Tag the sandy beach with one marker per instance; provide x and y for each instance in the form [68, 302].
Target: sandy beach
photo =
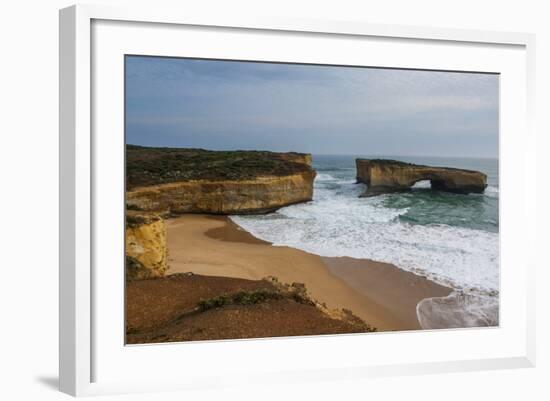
[380, 293]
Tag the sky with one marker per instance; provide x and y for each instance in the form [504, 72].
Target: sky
[226, 105]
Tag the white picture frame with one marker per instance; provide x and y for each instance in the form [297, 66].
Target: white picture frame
[81, 346]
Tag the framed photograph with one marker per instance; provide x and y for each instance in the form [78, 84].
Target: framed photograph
[274, 200]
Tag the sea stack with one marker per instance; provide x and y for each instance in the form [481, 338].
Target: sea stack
[386, 176]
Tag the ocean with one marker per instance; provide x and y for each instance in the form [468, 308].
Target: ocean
[451, 239]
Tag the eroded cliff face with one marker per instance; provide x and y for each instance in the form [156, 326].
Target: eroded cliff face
[262, 194]
[164, 182]
[385, 176]
[146, 250]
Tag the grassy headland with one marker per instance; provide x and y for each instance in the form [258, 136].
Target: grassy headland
[146, 166]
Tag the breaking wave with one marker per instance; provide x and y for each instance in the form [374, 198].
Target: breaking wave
[458, 309]
[338, 223]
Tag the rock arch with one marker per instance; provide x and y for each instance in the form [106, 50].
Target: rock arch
[386, 176]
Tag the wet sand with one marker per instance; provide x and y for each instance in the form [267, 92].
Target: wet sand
[380, 293]
[386, 285]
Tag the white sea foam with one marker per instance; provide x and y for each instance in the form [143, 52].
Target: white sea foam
[423, 184]
[339, 223]
[324, 177]
[458, 309]
[492, 192]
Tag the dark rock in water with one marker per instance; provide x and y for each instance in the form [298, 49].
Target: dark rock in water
[386, 176]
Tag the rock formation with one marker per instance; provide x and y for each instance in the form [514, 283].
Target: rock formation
[386, 176]
[163, 182]
[146, 250]
[177, 181]
[254, 196]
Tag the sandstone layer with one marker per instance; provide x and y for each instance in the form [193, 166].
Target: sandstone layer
[146, 250]
[260, 195]
[386, 176]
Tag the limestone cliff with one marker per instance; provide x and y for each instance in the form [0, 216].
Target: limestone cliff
[177, 181]
[260, 195]
[385, 176]
[161, 182]
[146, 250]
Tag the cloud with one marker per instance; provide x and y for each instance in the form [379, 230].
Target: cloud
[225, 105]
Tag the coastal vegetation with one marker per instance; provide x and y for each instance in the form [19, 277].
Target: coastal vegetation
[146, 166]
